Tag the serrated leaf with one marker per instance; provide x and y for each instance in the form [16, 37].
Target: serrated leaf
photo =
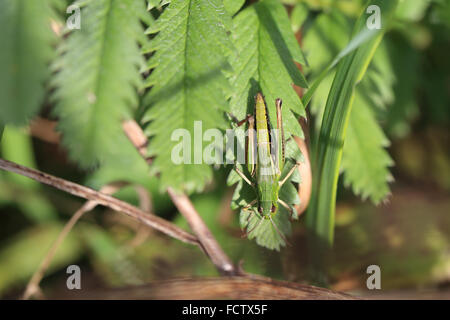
[262, 229]
[264, 61]
[233, 6]
[378, 83]
[365, 161]
[293, 155]
[265, 234]
[188, 85]
[26, 39]
[266, 51]
[99, 73]
[156, 4]
[243, 195]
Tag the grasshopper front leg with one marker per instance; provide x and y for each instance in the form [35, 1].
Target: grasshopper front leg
[240, 122]
[280, 183]
[251, 204]
[242, 175]
[250, 142]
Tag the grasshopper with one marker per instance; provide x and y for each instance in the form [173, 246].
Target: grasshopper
[265, 162]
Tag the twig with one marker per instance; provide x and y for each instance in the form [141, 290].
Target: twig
[248, 288]
[44, 130]
[136, 136]
[186, 208]
[198, 226]
[145, 203]
[102, 199]
[33, 285]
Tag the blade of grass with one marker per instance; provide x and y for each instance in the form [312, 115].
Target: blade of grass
[362, 37]
[328, 152]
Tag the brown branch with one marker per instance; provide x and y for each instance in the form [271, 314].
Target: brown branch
[102, 199]
[198, 226]
[44, 130]
[145, 203]
[209, 244]
[248, 288]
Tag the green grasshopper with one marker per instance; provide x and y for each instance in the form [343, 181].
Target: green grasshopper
[265, 162]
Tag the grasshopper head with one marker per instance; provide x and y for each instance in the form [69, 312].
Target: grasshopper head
[267, 208]
[268, 195]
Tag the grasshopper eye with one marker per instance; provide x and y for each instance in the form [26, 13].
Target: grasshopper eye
[273, 208]
[259, 209]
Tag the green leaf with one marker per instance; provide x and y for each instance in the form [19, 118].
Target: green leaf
[405, 61]
[17, 147]
[233, 6]
[412, 10]
[264, 61]
[365, 161]
[99, 74]
[26, 39]
[374, 92]
[263, 231]
[328, 154]
[266, 52]
[21, 255]
[188, 86]
[265, 234]
[377, 85]
[298, 16]
[156, 4]
[335, 27]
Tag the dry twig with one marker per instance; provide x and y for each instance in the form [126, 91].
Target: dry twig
[84, 192]
[248, 288]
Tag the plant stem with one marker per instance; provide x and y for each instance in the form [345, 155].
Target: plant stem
[84, 192]
[198, 226]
